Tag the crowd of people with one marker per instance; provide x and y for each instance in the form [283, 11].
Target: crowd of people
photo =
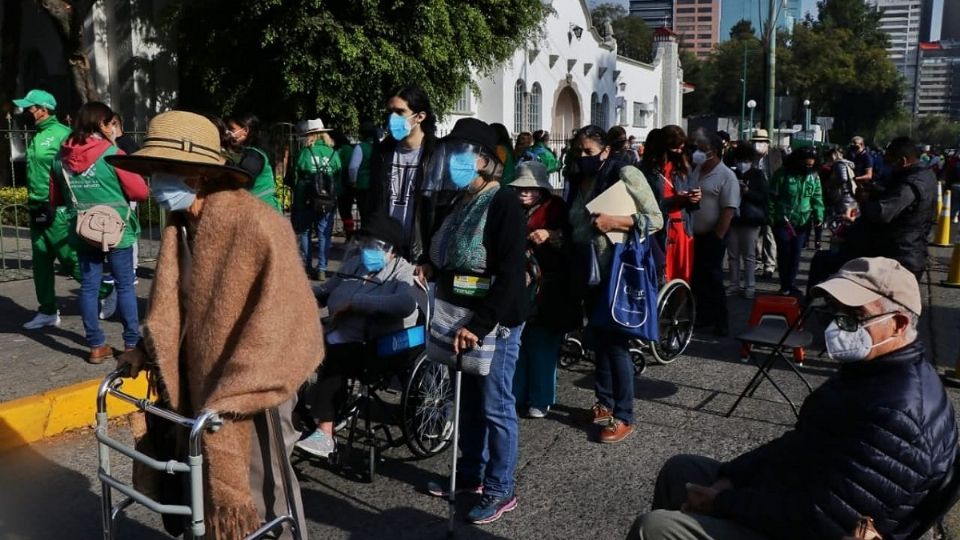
[511, 262]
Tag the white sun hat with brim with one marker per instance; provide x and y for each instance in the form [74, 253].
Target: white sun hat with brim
[307, 127]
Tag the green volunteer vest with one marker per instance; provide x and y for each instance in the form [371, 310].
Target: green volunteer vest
[263, 186]
[363, 173]
[99, 184]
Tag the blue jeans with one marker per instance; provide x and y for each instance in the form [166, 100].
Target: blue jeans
[323, 225]
[614, 374]
[490, 435]
[535, 381]
[788, 253]
[91, 270]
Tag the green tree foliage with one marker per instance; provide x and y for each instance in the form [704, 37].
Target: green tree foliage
[701, 75]
[286, 59]
[741, 29]
[837, 61]
[934, 130]
[634, 37]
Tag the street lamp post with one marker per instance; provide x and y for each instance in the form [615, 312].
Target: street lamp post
[752, 104]
[743, 82]
[806, 116]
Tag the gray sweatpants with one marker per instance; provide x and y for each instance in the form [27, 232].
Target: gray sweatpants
[667, 522]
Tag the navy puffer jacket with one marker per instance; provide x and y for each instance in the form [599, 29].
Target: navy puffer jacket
[872, 441]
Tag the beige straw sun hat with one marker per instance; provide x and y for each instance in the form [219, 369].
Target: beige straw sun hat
[183, 143]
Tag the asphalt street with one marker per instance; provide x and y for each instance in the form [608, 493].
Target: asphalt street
[569, 485]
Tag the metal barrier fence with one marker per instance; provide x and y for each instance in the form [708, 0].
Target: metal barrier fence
[279, 141]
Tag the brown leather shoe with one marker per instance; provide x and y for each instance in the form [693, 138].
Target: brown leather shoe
[615, 431]
[99, 354]
[597, 413]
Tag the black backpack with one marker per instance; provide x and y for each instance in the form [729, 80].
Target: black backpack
[321, 189]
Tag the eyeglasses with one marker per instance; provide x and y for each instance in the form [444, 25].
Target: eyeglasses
[850, 323]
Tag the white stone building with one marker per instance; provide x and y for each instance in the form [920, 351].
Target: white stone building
[572, 76]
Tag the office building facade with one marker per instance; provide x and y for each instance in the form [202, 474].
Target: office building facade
[757, 12]
[938, 91]
[903, 21]
[697, 22]
[656, 13]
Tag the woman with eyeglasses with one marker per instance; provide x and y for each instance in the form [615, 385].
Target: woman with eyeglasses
[372, 292]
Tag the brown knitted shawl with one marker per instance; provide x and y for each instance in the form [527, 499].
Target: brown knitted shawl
[252, 335]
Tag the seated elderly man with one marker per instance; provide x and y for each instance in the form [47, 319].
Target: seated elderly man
[873, 441]
[372, 295]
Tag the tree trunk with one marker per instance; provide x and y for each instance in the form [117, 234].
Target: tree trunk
[10, 29]
[68, 18]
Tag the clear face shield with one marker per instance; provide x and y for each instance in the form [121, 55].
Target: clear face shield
[456, 164]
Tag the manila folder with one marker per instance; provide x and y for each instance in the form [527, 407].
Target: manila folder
[614, 201]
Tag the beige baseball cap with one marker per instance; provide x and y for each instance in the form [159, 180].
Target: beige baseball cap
[868, 279]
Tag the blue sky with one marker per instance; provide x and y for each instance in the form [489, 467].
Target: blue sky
[808, 5]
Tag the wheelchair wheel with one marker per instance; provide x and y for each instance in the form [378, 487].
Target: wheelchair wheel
[426, 411]
[571, 351]
[639, 359]
[677, 312]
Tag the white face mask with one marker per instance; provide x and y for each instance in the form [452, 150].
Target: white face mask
[744, 166]
[699, 158]
[844, 347]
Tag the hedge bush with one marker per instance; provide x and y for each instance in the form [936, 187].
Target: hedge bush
[13, 206]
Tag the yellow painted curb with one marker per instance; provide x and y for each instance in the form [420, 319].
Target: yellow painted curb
[33, 418]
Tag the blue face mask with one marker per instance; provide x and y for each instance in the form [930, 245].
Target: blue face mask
[399, 127]
[463, 168]
[171, 192]
[373, 259]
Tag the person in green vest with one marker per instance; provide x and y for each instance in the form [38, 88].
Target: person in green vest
[311, 214]
[359, 169]
[505, 152]
[345, 191]
[80, 179]
[243, 146]
[49, 227]
[543, 153]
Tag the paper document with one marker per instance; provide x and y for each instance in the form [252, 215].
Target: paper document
[614, 201]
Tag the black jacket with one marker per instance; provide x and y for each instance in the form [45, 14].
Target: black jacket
[425, 218]
[872, 441]
[753, 202]
[897, 219]
[505, 239]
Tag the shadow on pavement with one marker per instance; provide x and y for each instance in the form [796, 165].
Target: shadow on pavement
[364, 521]
[15, 315]
[41, 499]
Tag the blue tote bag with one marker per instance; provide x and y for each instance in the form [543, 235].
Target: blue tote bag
[630, 301]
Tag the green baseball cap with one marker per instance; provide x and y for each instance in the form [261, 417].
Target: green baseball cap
[38, 97]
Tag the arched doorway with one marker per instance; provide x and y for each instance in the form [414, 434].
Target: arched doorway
[566, 113]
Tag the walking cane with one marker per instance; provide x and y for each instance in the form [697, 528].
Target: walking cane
[452, 495]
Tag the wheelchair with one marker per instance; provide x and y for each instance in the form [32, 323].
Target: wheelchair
[676, 314]
[392, 365]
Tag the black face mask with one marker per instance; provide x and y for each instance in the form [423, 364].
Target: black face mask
[589, 165]
[26, 119]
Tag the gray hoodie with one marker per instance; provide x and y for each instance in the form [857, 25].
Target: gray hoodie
[379, 304]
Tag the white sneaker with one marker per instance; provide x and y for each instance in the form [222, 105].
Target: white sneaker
[42, 319]
[108, 306]
[536, 412]
[317, 444]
